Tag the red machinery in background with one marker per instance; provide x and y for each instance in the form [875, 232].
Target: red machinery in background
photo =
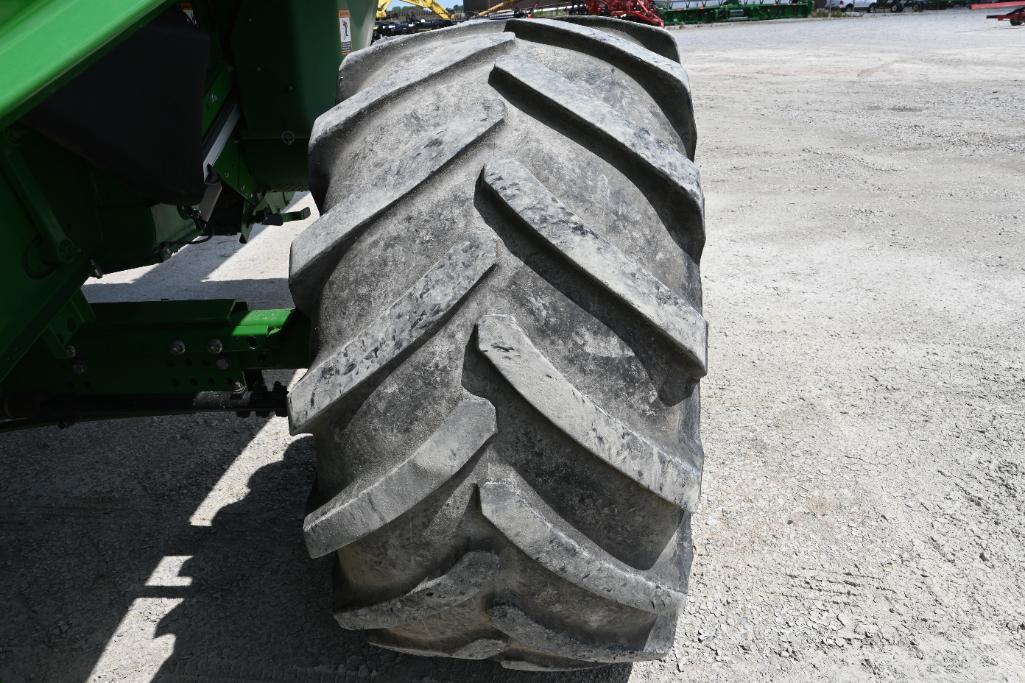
[1016, 16]
[642, 11]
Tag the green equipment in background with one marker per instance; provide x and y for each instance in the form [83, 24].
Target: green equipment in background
[712, 11]
[129, 129]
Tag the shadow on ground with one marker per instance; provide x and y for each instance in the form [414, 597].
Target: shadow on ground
[258, 606]
[86, 515]
[93, 513]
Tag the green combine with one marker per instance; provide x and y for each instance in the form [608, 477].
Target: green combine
[132, 129]
[499, 310]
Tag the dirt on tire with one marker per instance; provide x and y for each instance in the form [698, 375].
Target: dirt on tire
[506, 298]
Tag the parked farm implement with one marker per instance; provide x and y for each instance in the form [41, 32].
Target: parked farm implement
[680, 12]
[1015, 17]
[665, 12]
[638, 11]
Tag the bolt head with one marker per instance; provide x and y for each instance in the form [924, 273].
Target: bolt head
[79, 368]
[223, 364]
[177, 348]
[66, 251]
[215, 346]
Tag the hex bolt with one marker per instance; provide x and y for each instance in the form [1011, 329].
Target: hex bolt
[177, 348]
[70, 351]
[214, 346]
[79, 368]
[223, 364]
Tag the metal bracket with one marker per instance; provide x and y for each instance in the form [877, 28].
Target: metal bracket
[166, 347]
[269, 218]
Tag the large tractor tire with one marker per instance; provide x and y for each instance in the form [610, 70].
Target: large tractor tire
[508, 339]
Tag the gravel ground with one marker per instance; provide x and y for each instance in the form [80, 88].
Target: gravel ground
[864, 492]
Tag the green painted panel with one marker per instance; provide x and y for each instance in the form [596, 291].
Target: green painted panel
[286, 55]
[42, 40]
[166, 347]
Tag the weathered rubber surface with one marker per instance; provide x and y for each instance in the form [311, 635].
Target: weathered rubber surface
[657, 40]
[508, 333]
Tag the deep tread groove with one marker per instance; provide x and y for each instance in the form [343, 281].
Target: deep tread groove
[533, 527]
[390, 336]
[654, 303]
[658, 40]
[665, 366]
[363, 64]
[674, 171]
[366, 506]
[465, 580]
[336, 123]
[663, 79]
[673, 477]
[317, 250]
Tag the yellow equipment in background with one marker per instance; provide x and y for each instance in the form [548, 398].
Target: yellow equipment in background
[504, 4]
[433, 5]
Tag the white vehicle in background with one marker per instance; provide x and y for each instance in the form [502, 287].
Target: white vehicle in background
[855, 5]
